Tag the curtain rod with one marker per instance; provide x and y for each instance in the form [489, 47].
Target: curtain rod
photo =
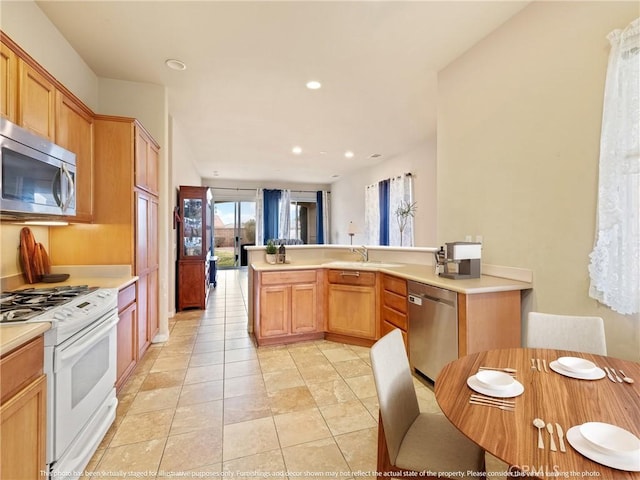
[254, 189]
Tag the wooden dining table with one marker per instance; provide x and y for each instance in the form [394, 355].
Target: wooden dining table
[511, 435]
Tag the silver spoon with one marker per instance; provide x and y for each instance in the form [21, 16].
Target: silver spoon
[626, 379]
[539, 424]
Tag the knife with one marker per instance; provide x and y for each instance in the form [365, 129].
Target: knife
[606, 369]
[560, 437]
[616, 375]
[553, 444]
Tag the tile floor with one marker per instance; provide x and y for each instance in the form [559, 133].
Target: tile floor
[208, 403]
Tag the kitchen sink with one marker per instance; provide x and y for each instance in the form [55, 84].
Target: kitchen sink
[361, 265]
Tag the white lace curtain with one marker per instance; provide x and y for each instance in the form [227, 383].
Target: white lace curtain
[400, 191]
[284, 223]
[615, 260]
[372, 214]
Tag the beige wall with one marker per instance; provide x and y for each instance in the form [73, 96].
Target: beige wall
[28, 26]
[519, 118]
[25, 23]
[347, 195]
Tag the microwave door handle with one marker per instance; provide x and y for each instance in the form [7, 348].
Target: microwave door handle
[56, 188]
[71, 188]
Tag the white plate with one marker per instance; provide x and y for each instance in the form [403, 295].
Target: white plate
[576, 364]
[610, 439]
[494, 380]
[512, 391]
[629, 463]
[596, 374]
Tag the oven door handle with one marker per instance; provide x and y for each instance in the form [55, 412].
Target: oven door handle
[87, 341]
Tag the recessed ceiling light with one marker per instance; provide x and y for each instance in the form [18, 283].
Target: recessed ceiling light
[348, 154]
[323, 152]
[296, 150]
[313, 85]
[174, 64]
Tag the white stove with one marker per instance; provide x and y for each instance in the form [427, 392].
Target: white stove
[80, 364]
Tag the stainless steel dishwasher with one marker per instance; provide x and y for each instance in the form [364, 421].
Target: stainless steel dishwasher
[433, 328]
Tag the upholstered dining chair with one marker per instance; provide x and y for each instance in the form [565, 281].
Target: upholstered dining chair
[566, 332]
[409, 440]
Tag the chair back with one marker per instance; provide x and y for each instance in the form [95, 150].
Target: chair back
[394, 386]
[566, 332]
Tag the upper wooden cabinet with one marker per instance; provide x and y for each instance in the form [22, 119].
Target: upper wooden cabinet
[37, 100]
[33, 99]
[146, 168]
[74, 131]
[8, 83]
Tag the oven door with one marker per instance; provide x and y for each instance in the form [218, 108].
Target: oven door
[85, 374]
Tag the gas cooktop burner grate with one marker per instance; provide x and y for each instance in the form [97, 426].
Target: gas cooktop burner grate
[21, 305]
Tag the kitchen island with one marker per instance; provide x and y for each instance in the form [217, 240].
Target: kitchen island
[334, 296]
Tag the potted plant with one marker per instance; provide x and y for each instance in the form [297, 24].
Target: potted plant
[270, 252]
[403, 212]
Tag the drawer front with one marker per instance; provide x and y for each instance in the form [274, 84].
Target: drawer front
[395, 285]
[395, 318]
[388, 327]
[21, 367]
[288, 277]
[394, 301]
[352, 277]
[126, 297]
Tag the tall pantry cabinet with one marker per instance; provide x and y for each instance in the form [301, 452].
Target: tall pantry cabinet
[125, 225]
[127, 201]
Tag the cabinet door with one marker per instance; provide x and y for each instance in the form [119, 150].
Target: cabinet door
[191, 292]
[146, 164]
[127, 344]
[23, 432]
[143, 315]
[144, 237]
[74, 131]
[352, 310]
[304, 308]
[275, 310]
[37, 102]
[8, 83]
[152, 305]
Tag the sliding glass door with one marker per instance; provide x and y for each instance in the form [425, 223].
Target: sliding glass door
[234, 227]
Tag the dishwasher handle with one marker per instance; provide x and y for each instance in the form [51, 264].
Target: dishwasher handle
[417, 299]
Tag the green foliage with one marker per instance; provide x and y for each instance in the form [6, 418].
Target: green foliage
[271, 249]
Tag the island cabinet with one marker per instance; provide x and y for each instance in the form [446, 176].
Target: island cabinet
[352, 306]
[393, 312]
[127, 344]
[289, 306]
[488, 321]
[23, 410]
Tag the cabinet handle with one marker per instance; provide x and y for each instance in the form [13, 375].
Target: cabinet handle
[349, 274]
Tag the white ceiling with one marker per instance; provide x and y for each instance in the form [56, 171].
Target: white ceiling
[242, 99]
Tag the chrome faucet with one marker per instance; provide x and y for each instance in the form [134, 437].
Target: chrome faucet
[364, 253]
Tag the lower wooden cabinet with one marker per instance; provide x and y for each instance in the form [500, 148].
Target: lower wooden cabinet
[23, 412]
[393, 312]
[352, 306]
[289, 306]
[192, 284]
[127, 344]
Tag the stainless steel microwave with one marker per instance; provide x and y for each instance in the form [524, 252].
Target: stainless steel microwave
[37, 177]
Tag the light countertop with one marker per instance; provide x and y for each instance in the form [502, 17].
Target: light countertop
[417, 273]
[13, 336]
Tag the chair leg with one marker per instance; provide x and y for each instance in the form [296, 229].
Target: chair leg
[384, 463]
